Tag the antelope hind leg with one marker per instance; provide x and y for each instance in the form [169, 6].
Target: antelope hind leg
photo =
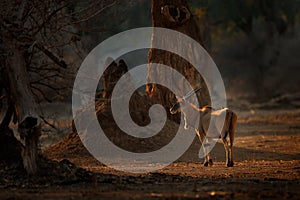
[227, 151]
[230, 159]
[231, 138]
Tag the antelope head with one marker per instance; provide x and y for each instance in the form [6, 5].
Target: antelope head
[176, 107]
[181, 102]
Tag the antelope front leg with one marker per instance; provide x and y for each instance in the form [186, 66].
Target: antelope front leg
[207, 160]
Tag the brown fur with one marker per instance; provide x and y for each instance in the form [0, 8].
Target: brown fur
[227, 133]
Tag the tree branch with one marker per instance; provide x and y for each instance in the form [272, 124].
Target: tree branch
[95, 14]
[48, 19]
[52, 56]
[48, 123]
[42, 93]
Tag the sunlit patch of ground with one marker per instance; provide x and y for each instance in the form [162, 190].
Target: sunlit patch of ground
[267, 166]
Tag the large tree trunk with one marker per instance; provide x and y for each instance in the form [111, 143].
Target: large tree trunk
[10, 147]
[25, 106]
[163, 15]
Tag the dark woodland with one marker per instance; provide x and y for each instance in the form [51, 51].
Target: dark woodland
[254, 44]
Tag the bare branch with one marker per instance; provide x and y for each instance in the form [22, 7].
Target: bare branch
[56, 90]
[95, 14]
[52, 55]
[42, 93]
[48, 19]
[48, 123]
[44, 78]
[93, 5]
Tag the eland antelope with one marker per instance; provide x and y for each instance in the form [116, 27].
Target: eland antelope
[202, 116]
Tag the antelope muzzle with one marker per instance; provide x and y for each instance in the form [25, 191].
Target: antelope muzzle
[175, 108]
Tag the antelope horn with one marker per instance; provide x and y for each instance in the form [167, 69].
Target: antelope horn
[189, 94]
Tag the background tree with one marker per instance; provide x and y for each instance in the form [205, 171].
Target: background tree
[264, 23]
[39, 54]
[164, 14]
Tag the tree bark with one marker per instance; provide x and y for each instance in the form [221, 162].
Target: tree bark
[7, 117]
[173, 14]
[25, 106]
[111, 76]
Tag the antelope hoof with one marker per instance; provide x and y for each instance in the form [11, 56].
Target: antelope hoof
[209, 162]
[205, 164]
[230, 164]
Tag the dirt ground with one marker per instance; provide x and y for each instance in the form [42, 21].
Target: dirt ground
[267, 166]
